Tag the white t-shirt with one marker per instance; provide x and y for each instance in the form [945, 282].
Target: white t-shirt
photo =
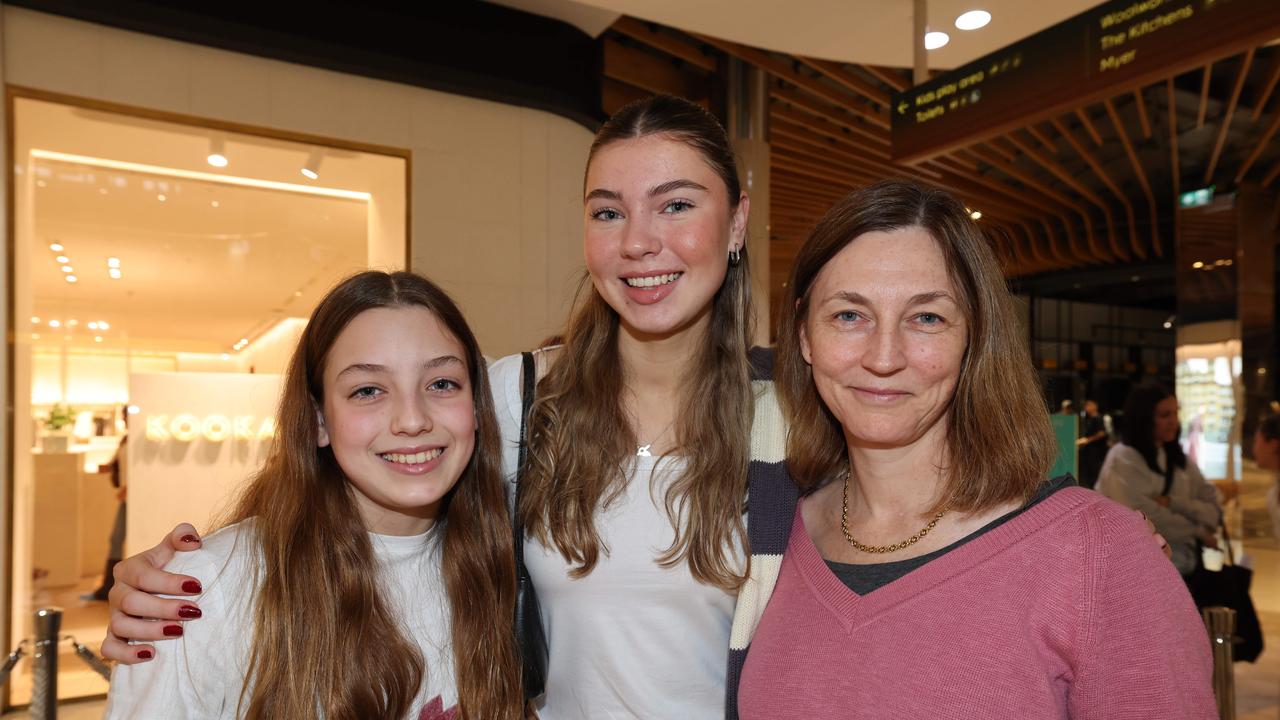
[201, 674]
[632, 639]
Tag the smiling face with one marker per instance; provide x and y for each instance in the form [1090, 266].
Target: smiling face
[885, 337]
[398, 414]
[658, 230]
[1166, 423]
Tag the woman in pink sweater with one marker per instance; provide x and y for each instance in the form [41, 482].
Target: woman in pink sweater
[932, 572]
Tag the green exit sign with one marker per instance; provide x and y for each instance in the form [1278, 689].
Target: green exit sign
[1196, 198]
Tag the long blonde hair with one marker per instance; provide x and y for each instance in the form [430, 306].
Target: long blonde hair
[317, 613]
[581, 443]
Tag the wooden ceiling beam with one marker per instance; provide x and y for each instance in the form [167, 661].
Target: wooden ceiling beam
[1231, 111]
[1140, 172]
[1272, 78]
[888, 76]
[1088, 126]
[842, 76]
[829, 129]
[782, 70]
[982, 187]
[1070, 181]
[1098, 170]
[1257, 149]
[1271, 174]
[818, 108]
[984, 153]
[1204, 95]
[1042, 138]
[644, 70]
[667, 43]
[786, 131]
[1140, 102]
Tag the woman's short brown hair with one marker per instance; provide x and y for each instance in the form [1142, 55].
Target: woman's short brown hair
[999, 442]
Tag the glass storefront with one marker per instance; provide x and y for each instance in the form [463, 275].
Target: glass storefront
[162, 272]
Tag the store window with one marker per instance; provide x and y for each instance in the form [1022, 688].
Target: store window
[162, 272]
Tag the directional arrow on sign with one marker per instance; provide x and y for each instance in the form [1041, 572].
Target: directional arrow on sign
[902, 108]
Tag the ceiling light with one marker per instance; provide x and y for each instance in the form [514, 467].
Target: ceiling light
[216, 157]
[56, 247]
[68, 269]
[973, 20]
[73, 322]
[97, 338]
[214, 203]
[1167, 325]
[161, 197]
[113, 262]
[976, 214]
[62, 259]
[55, 323]
[102, 325]
[35, 320]
[93, 325]
[114, 273]
[41, 183]
[225, 356]
[1197, 265]
[72, 278]
[934, 40]
[311, 170]
[197, 175]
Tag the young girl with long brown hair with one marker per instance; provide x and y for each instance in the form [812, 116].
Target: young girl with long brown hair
[366, 571]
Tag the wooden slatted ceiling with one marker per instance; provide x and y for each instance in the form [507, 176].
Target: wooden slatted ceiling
[1096, 185]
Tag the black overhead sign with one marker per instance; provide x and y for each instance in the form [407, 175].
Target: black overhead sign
[1116, 46]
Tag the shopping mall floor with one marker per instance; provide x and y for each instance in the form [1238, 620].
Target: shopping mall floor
[1257, 685]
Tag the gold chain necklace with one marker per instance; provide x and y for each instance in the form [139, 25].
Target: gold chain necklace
[879, 549]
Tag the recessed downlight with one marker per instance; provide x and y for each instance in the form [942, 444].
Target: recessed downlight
[935, 39]
[71, 278]
[973, 20]
[56, 247]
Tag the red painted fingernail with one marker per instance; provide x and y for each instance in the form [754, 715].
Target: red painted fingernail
[144, 654]
[189, 539]
[173, 630]
[191, 586]
[189, 612]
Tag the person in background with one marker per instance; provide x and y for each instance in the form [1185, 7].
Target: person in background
[1148, 471]
[1067, 408]
[1266, 452]
[115, 545]
[1092, 444]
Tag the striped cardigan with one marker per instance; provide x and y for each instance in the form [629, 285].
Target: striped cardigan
[771, 507]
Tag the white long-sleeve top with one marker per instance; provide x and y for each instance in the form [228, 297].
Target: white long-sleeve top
[1193, 502]
[201, 674]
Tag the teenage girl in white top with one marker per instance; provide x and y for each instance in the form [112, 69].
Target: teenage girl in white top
[363, 565]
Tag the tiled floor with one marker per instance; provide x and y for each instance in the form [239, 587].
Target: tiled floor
[1257, 684]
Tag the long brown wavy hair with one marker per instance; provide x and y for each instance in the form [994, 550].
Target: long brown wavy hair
[999, 440]
[317, 611]
[581, 443]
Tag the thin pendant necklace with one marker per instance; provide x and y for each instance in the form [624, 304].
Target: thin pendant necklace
[880, 549]
[643, 450]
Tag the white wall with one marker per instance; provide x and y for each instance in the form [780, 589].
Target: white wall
[496, 189]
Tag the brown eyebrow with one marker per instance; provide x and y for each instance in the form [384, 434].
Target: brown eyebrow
[656, 190]
[919, 299]
[374, 368]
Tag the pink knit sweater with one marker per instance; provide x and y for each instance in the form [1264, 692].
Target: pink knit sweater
[1068, 610]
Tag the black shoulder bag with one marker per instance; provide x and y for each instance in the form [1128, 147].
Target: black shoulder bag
[1228, 587]
[528, 620]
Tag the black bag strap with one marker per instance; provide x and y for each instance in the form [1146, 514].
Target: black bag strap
[1168, 473]
[528, 385]
[1226, 538]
